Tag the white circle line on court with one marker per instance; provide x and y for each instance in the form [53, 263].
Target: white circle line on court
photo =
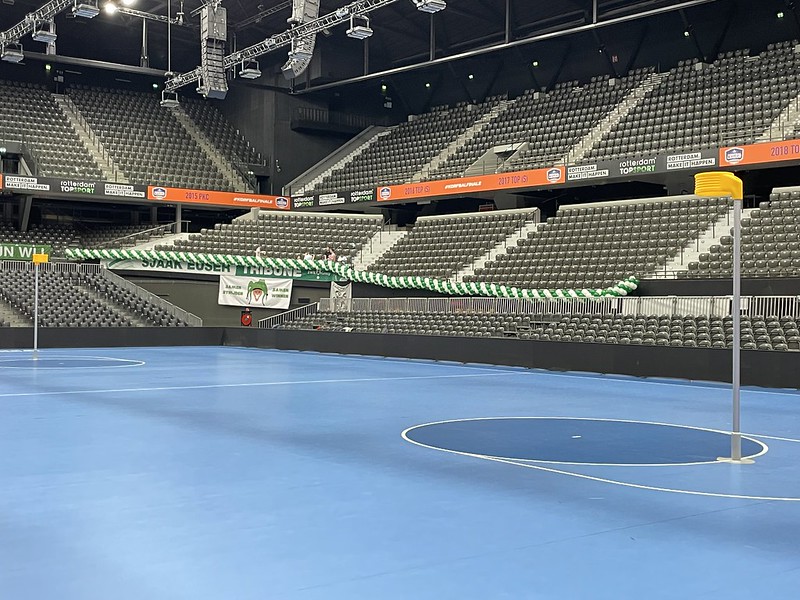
[131, 362]
[239, 385]
[764, 447]
[637, 486]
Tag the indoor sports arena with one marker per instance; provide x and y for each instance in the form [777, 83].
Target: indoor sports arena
[391, 299]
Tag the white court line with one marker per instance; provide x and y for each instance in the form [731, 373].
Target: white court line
[764, 447]
[135, 363]
[637, 486]
[238, 385]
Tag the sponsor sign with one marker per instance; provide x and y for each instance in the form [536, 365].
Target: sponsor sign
[770, 152]
[636, 166]
[22, 251]
[124, 190]
[330, 199]
[465, 185]
[691, 160]
[254, 292]
[581, 172]
[179, 266]
[26, 184]
[215, 198]
[362, 196]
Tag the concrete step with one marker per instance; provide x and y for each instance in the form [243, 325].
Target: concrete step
[692, 251]
[501, 248]
[232, 176]
[377, 246]
[11, 315]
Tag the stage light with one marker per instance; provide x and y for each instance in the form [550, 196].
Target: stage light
[12, 53]
[87, 10]
[45, 31]
[430, 6]
[110, 8]
[250, 70]
[359, 27]
[535, 63]
[470, 76]
[780, 14]
[129, 2]
[427, 85]
[686, 33]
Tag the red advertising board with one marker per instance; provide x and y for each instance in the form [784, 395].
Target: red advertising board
[768, 152]
[1, 181]
[482, 183]
[215, 198]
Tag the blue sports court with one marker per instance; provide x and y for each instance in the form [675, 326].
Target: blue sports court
[208, 473]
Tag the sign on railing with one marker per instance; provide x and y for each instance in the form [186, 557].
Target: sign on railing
[23, 251]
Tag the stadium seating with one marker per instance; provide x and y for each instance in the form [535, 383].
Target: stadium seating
[225, 137]
[729, 102]
[146, 140]
[758, 332]
[82, 235]
[442, 246]
[29, 114]
[406, 149]
[770, 245]
[284, 235]
[78, 299]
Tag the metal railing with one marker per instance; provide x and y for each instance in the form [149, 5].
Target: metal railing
[160, 230]
[323, 116]
[94, 269]
[696, 306]
[289, 315]
[149, 297]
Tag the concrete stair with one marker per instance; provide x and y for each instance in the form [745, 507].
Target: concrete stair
[377, 246]
[783, 126]
[500, 248]
[234, 179]
[491, 160]
[580, 150]
[161, 241]
[343, 161]
[11, 315]
[92, 143]
[100, 298]
[310, 178]
[692, 251]
[462, 139]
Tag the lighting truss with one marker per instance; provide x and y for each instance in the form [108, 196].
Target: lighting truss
[281, 40]
[26, 26]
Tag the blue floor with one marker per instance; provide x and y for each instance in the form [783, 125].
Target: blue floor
[237, 474]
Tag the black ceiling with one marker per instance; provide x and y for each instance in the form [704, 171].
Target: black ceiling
[403, 36]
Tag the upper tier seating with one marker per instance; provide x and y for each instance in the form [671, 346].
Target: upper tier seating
[146, 140]
[598, 246]
[550, 122]
[28, 113]
[225, 136]
[401, 153]
[732, 101]
[284, 235]
[770, 245]
[442, 246]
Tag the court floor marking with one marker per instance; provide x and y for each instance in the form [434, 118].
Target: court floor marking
[764, 447]
[239, 385]
[605, 480]
[48, 357]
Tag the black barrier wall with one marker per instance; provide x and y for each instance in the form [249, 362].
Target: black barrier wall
[759, 368]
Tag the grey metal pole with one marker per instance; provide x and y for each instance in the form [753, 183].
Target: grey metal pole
[736, 436]
[35, 311]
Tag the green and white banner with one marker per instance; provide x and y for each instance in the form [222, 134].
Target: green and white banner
[171, 265]
[22, 251]
[254, 292]
[346, 272]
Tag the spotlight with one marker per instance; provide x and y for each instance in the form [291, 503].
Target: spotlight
[47, 68]
[535, 63]
[155, 86]
[12, 53]
[427, 85]
[250, 70]
[686, 33]
[359, 27]
[470, 76]
[87, 10]
[780, 15]
[45, 31]
[169, 99]
[110, 8]
[129, 2]
[430, 6]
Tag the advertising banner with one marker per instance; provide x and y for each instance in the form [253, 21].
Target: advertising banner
[185, 266]
[22, 251]
[73, 187]
[254, 292]
[769, 152]
[215, 198]
[339, 198]
[482, 183]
